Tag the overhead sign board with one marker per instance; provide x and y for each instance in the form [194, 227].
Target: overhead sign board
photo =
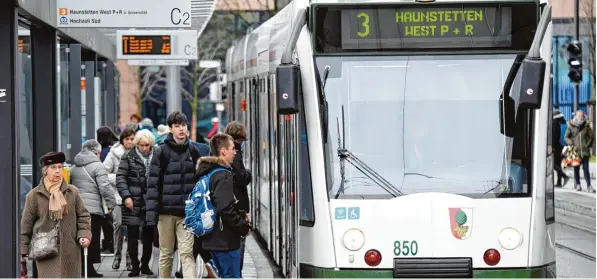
[156, 44]
[159, 62]
[123, 13]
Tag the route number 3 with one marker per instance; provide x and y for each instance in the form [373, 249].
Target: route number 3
[365, 25]
[406, 248]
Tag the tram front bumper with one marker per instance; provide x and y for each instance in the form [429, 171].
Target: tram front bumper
[547, 271]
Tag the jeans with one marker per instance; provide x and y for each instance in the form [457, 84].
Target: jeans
[242, 254]
[227, 263]
[585, 169]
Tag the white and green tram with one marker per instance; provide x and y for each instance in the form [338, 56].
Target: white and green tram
[400, 138]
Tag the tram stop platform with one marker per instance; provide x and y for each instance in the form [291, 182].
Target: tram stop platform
[257, 263]
[577, 208]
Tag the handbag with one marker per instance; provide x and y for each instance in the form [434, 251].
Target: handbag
[44, 245]
[104, 206]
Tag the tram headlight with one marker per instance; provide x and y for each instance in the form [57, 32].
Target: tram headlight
[353, 239]
[510, 239]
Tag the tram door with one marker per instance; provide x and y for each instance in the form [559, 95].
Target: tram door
[255, 151]
[288, 178]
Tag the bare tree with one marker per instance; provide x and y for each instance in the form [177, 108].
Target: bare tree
[199, 77]
[150, 80]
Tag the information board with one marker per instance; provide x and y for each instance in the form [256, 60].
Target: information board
[433, 26]
[146, 45]
[123, 13]
[156, 44]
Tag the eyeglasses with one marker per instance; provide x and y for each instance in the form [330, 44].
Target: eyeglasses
[56, 167]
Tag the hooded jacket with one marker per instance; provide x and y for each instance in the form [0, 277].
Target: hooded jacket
[242, 178]
[171, 179]
[111, 163]
[95, 187]
[230, 223]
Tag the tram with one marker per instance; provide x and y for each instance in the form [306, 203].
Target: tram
[400, 138]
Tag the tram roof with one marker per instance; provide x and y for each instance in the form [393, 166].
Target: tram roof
[413, 1]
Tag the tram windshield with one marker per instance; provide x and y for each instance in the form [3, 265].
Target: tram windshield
[423, 123]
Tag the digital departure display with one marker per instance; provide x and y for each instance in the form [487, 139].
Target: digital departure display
[428, 26]
[144, 44]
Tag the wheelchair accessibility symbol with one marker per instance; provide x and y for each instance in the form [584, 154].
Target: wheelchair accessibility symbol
[354, 213]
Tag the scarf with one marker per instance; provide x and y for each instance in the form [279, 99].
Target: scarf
[57, 201]
[578, 123]
[146, 158]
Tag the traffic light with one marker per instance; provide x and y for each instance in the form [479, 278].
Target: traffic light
[575, 61]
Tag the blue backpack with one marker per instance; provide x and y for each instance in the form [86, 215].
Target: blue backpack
[200, 215]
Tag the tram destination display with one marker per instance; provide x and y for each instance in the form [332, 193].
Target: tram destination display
[146, 44]
[427, 26]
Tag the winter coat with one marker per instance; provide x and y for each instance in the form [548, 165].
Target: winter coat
[202, 147]
[111, 163]
[242, 178]
[171, 179]
[76, 224]
[581, 137]
[556, 130]
[230, 221]
[95, 188]
[160, 139]
[131, 182]
[104, 153]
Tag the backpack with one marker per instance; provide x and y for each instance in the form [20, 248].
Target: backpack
[165, 155]
[200, 215]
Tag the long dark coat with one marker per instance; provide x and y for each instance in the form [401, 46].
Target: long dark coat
[75, 224]
[131, 182]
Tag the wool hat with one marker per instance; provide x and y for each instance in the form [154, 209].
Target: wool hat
[163, 130]
[147, 123]
[51, 158]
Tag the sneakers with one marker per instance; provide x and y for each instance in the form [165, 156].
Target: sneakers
[212, 270]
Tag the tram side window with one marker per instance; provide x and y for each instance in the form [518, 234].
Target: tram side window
[307, 210]
[521, 164]
[549, 177]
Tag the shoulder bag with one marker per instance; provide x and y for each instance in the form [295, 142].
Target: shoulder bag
[44, 245]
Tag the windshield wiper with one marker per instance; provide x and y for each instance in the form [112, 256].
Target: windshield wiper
[326, 72]
[499, 184]
[345, 155]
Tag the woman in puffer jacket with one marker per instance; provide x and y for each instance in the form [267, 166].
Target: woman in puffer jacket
[111, 163]
[131, 181]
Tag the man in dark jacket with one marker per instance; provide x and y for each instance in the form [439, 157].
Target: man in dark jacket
[556, 142]
[231, 222]
[171, 179]
[242, 176]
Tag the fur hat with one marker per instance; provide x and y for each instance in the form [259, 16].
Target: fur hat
[51, 158]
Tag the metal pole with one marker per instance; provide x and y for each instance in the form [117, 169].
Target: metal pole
[219, 97]
[173, 102]
[577, 31]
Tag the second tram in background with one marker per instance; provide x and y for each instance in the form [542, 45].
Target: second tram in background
[400, 139]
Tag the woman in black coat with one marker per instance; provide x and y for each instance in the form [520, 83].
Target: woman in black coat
[131, 181]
